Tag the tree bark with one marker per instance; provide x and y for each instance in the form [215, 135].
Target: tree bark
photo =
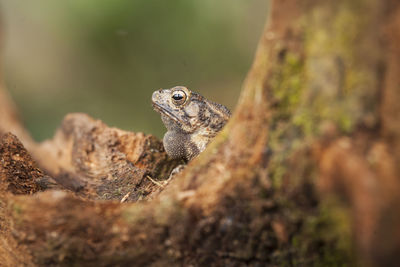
[305, 173]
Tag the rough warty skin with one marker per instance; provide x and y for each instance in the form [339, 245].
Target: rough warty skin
[191, 120]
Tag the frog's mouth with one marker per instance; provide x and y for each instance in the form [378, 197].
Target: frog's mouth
[166, 112]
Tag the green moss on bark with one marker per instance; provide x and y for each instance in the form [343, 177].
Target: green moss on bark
[329, 79]
[327, 236]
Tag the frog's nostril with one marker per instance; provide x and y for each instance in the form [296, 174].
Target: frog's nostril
[155, 95]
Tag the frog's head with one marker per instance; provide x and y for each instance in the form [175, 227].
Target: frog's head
[179, 108]
[188, 112]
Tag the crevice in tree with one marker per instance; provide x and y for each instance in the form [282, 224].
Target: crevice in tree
[305, 172]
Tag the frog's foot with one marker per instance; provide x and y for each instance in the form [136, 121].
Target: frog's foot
[176, 170]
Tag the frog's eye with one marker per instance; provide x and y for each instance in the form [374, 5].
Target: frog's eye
[179, 97]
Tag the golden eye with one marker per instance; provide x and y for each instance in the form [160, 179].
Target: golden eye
[179, 97]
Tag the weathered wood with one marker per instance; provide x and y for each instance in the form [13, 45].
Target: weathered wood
[305, 173]
[106, 161]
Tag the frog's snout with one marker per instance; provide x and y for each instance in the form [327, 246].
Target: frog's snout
[156, 96]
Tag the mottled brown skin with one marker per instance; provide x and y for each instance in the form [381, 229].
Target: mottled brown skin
[191, 120]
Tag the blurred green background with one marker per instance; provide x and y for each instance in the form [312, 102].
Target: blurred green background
[105, 58]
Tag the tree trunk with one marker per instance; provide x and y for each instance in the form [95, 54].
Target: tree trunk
[305, 173]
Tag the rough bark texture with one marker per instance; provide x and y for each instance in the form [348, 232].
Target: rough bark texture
[314, 182]
[105, 163]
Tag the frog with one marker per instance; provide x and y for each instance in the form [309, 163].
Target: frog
[192, 121]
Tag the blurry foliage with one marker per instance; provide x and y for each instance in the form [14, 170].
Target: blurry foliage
[106, 57]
